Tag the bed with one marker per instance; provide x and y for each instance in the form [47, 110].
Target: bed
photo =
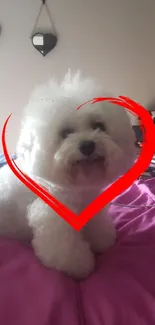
[120, 291]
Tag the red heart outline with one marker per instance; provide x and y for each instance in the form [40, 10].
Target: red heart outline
[143, 161]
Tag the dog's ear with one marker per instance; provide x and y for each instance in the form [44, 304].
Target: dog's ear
[151, 106]
[26, 138]
[121, 131]
[26, 144]
[151, 109]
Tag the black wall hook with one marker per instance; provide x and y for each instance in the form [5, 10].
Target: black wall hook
[44, 42]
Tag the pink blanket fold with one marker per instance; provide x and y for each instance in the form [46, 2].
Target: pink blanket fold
[121, 291]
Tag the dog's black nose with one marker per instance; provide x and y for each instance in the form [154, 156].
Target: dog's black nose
[87, 147]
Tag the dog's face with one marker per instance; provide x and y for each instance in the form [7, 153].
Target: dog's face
[92, 146]
[89, 147]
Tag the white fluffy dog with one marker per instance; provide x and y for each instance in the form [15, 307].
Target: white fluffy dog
[79, 152]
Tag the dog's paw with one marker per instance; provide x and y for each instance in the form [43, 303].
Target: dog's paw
[101, 234]
[104, 242]
[77, 262]
[81, 264]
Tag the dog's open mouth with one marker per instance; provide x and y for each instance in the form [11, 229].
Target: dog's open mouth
[88, 167]
[98, 160]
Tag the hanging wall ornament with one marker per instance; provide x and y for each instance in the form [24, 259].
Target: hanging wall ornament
[44, 42]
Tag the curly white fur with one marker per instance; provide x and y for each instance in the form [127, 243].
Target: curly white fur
[79, 152]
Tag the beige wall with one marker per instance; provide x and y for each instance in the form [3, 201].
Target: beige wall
[111, 39]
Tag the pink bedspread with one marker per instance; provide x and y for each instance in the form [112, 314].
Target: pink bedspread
[120, 292]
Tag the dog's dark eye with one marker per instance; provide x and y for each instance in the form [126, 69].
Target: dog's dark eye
[98, 125]
[66, 132]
